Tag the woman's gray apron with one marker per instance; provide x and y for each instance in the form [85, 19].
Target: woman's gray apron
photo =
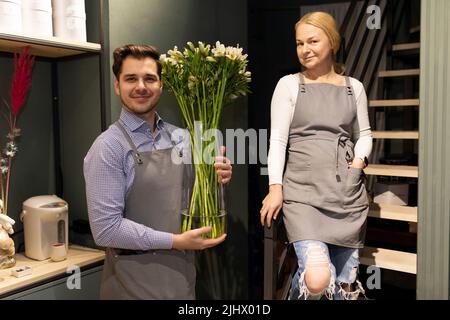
[154, 200]
[324, 199]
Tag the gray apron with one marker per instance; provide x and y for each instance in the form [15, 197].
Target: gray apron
[324, 199]
[154, 201]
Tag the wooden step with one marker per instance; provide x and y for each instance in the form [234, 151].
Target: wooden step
[406, 46]
[399, 213]
[389, 259]
[399, 73]
[392, 170]
[394, 103]
[414, 29]
[414, 135]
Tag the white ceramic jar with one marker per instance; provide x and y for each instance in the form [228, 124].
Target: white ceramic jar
[37, 17]
[69, 19]
[10, 16]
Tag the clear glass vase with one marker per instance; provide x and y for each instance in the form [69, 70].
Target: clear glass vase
[203, 200]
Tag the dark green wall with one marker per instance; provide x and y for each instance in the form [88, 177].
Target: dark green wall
[32, 169]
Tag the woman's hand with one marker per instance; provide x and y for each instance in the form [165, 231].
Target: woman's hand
[272, 204]
[357, 163]
[223, 167]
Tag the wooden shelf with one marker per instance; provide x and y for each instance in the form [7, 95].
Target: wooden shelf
[399, 213]
[46, 269]
[392, 170]
[406, 46]
[47, 47]
[414, 29]
[394, 103]
[389, 259]
[412, 135]
[399, 73]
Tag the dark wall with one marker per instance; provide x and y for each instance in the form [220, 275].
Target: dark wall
[32, 169]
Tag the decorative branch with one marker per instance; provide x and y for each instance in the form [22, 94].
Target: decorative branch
[20, 84]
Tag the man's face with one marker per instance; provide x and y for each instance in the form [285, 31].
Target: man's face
[139, 86]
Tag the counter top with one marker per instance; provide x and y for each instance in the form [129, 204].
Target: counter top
[46, 269]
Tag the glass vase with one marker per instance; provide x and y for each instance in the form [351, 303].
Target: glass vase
[203, 200]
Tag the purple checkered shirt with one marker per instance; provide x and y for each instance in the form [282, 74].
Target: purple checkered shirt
[109, 175]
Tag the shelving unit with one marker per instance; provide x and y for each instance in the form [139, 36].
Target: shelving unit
[56, 50]
[56, 57]
[47, 47]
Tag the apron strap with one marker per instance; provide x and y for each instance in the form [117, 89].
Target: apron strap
[350, 90]
[136, 155]
[349, 86]
[302, 82]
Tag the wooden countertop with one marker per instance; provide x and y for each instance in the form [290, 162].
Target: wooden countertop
[45, 269]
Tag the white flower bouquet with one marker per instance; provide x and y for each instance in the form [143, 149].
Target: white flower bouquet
[203, 80]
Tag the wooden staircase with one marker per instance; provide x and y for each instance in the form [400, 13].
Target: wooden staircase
[394, 103]
[385, 258]
[389, 259]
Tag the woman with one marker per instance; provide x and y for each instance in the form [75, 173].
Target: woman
[323, 116]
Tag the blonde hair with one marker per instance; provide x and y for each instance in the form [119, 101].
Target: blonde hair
[326, 22]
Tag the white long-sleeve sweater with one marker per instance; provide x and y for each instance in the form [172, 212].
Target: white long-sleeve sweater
[283, 104]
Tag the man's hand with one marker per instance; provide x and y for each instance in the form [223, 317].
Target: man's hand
[193, 240]
[223, 167]
[272, 204]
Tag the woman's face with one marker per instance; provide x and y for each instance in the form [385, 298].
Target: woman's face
[313, 46]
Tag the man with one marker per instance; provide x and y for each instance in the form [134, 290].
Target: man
[133, 190]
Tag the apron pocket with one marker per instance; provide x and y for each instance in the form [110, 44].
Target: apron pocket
[354, 175]
[324, 189]
[355, 194]
[296, 185]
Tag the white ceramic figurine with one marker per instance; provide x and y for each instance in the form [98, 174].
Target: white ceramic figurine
[7, 249]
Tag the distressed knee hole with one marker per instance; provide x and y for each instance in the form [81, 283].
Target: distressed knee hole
[351, 291]
[317, 278]
[317, 269]
[316, 256]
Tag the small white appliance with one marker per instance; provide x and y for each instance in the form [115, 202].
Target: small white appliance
[45, 222]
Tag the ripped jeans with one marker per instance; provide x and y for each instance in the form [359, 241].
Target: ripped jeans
[317, 261]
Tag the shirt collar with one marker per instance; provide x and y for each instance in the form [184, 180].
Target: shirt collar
[134, 122]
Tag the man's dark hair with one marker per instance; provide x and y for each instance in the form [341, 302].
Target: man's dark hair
[135, 51]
